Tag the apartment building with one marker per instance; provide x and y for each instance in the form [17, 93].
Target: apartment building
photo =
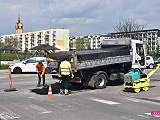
[150, 38]
[25, 41]
[94, 40]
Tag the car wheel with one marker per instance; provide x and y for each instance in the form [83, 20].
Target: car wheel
[17, 70]
[151, 66]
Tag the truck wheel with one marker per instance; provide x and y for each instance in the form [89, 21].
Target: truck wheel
[17, 70]
[100, 81]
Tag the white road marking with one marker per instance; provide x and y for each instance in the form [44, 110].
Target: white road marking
[143, 116]
[47, 112]
[7, 114]
[133, 99]
[127, 117]
[151, 115]
[105, 101]
[64, 107]
[38, 108]
[27, 105]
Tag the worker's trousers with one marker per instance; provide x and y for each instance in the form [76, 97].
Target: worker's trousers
[39, 78]
[65, 82]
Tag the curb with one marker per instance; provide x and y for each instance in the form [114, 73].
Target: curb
[141, 98]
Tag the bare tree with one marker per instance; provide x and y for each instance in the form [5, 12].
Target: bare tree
[128, 25]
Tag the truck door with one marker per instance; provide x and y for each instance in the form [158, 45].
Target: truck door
[140, 54]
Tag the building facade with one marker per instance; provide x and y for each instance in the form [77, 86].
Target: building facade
[94, 40]
[25, 41]
[150, 38]
[60, 38]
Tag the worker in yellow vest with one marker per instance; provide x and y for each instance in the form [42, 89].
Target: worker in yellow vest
[66, 72]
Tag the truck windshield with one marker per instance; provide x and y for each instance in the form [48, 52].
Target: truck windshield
[139, 49]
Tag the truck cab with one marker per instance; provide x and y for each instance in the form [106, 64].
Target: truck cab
[139, 55]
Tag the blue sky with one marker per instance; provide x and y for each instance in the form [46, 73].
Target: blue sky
[81, 17]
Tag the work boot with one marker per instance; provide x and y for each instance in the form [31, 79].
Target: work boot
[61, 91]
[66, 91]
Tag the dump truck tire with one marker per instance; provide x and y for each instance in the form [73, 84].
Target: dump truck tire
[100, 81]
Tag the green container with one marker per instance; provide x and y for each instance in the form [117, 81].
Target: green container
[131, 76]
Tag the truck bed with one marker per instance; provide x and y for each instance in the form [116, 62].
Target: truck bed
[94, 58]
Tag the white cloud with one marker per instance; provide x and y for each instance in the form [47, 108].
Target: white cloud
[72, 8]
[80, 16]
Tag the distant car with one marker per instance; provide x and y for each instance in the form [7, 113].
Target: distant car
[150, 62]
[28, 65]
[157, 60]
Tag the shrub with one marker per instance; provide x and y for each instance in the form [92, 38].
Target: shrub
[4, 66]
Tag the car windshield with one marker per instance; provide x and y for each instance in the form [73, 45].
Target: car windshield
[43, 60]
[32, 60]
[147, 58]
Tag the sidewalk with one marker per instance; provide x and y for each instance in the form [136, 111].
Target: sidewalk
[4, 71]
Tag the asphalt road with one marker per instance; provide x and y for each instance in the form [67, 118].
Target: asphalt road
[32, 103]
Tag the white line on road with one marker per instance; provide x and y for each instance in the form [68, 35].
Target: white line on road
[105, 101]
[47, 112]
[38, 108]
[133, 99]
[143, 116]
[151, 115]
[7, 114]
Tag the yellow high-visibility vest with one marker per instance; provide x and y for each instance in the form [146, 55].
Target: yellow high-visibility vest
[65, 68]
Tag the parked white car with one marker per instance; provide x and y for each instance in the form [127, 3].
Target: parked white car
[149, 62]
[28, 65]
[157, 61]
